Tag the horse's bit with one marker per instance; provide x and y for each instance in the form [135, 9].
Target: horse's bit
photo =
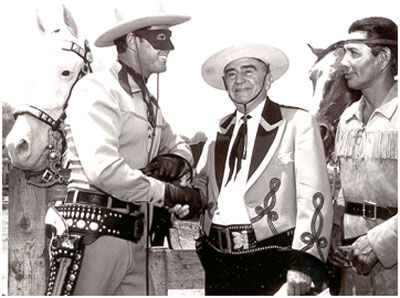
[51, 175]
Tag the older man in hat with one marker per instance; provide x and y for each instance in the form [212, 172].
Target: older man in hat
[365, 237]
[269, 213]
[120, 152]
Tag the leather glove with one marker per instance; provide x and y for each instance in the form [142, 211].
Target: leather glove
[183, 195]
[167, 167]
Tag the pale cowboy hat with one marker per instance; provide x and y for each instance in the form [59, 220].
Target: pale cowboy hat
[141, 18]
[213, 69]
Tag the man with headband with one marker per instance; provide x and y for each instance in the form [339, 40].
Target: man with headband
[269, 213]
[364, 238]
[121, 152]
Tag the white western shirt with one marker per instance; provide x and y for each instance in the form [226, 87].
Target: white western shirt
[231, 208]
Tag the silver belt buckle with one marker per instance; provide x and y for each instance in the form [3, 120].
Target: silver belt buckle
[47, 176]
[365, 203]
[223, 232]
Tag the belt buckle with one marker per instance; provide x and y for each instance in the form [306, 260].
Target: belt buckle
[47, 176]
[366, 203]
[223, 232]
[138, 228]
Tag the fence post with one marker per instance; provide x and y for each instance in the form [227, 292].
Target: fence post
[26, 235]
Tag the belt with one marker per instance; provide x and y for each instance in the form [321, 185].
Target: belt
[349, 241]
[106, 201]
[93, 222]
[241, 239]
[370, 210]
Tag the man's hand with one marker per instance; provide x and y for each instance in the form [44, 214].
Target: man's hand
[298, 283]
[363, 256]
[338, 253]
[179, 210]
[183, 195]
[168, 167]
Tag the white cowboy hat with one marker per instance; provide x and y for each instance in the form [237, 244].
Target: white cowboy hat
[213, 69]
[143, 16]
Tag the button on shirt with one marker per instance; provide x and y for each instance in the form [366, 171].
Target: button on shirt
[231, 207]
[367, 157]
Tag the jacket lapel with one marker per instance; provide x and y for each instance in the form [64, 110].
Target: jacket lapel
[221, 146]
[266, 135]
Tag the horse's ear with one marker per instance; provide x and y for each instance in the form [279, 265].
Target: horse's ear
[69, 21]
[40, 23]
[317, 52]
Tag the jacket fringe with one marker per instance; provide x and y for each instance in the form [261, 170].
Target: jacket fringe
[360, 144]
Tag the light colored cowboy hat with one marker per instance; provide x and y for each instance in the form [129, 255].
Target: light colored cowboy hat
[213, 69]
[139, 17]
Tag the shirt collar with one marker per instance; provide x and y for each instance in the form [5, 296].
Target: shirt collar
[387, 109]
[255, 113]
[390, 104]
[124, 78]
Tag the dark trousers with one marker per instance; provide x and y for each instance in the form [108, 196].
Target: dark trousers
[258, 273]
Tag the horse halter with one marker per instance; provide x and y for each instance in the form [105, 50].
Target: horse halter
[51, 175]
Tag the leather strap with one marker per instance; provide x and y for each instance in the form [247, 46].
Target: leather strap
[106, 201]
[93, 222]
[370, 210]
[223, 239]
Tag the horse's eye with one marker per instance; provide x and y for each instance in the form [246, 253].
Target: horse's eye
[66, 73]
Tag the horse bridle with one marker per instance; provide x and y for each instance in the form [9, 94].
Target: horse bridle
[51, 175]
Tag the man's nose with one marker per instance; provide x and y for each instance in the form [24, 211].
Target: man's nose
[345, 61]
[239, 78]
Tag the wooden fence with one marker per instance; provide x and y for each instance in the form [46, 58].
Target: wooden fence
[29, 238]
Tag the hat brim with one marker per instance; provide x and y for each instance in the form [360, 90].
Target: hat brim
[107, 39]
[213, 68]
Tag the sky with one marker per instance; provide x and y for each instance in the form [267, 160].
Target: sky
[187, 102]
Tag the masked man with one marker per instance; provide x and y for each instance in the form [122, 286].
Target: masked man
[269, 213]
[364, 238]
[118, 141]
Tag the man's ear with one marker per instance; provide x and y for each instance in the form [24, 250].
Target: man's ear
[384, 58]
[131, 41]
[268, 81]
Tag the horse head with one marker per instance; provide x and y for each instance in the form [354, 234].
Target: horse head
[331, 95]
[60, 60]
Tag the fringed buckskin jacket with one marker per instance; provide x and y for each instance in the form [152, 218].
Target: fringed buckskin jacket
[287, 183]
[367, 156]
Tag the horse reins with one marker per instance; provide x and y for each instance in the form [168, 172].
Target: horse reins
[51, 174]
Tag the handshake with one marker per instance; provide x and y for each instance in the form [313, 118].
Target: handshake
[172, 169]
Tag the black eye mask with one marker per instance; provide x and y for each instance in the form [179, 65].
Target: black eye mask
[159, 39]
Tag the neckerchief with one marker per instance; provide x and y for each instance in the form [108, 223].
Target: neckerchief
[148, 99]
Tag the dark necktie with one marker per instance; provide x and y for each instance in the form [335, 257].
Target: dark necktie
[238, 151]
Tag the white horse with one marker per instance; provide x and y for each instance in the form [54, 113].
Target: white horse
[35, 141]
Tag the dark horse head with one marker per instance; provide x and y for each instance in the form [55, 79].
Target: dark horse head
[331, 95]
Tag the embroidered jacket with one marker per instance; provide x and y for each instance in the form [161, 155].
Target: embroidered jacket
[287, 183]
[367, 156]
[109, 138]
